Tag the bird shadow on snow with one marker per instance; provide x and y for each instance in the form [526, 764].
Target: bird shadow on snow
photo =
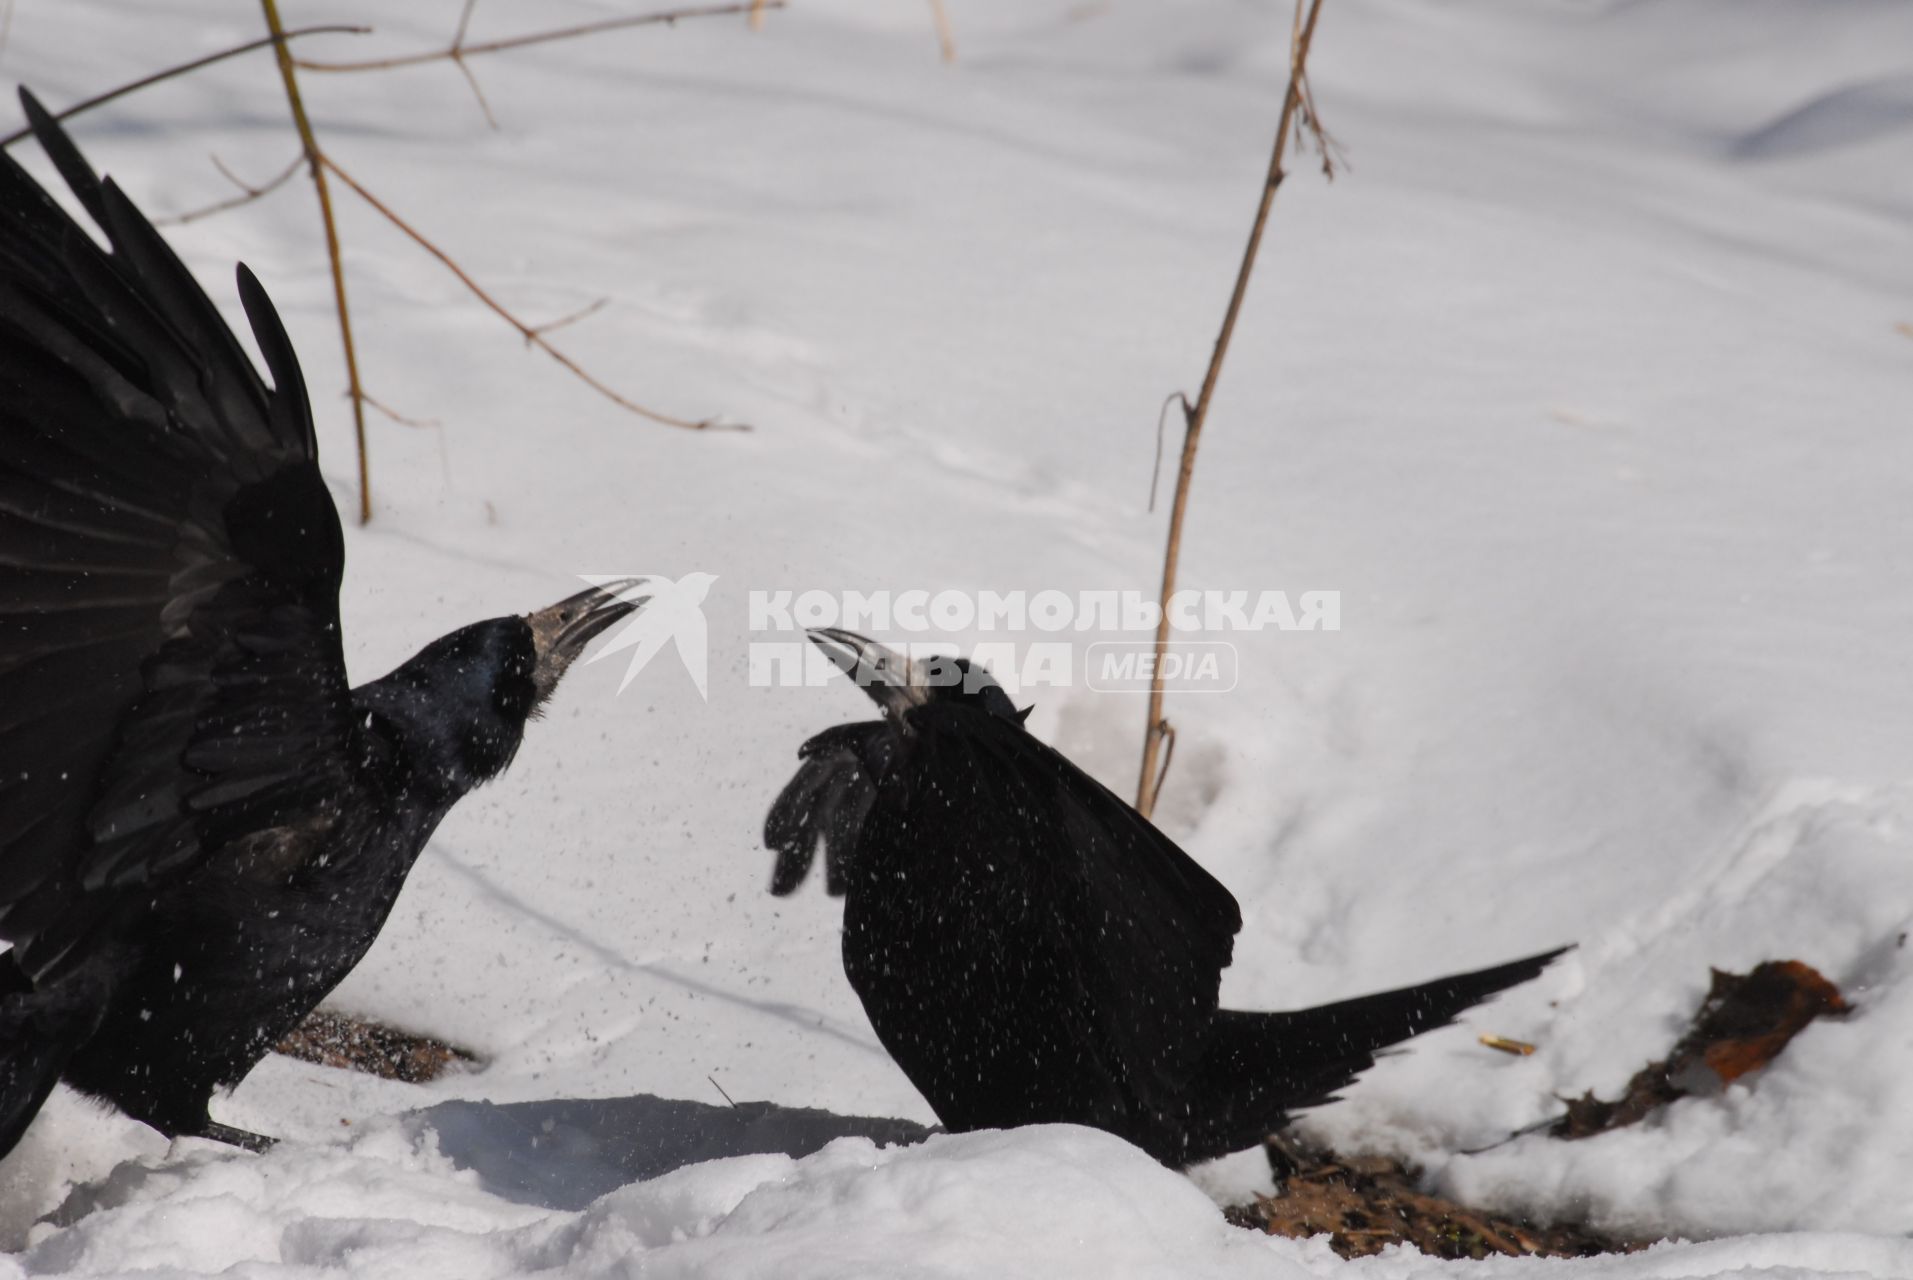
[1844, 117]
[565, 1154]
[558, 1154]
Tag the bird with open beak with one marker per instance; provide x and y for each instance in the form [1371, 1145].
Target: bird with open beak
[1031, 950]
[203, 826]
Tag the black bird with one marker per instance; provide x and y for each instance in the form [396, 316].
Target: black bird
[202, 826]
[1031, 950]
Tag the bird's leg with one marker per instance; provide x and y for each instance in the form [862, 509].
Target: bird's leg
[242, 1138]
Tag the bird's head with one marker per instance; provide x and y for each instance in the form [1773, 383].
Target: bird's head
[461, 703]
[560, 632]
[897, 683]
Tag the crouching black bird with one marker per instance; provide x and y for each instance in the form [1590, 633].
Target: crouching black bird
[1031, 950]
[202, 827]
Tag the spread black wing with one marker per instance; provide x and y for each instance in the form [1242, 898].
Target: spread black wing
[170, 667]
[1139, 928]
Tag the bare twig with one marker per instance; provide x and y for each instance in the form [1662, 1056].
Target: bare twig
[283, 176]
[1308, 123]
[315, 164]
[1149, 779]
[1162, 421]
[589, 309]
[1168, 754]
[247, 193]
[531, 334]
[477, 91]
[464, 24]
[278, 37]
[458, 52]
[1520, 1048]
[395, 415]
[946, 38]
[1309, 127]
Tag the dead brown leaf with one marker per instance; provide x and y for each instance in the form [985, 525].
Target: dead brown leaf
[1745, 1021]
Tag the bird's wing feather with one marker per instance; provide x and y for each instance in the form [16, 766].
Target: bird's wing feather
[825, 803]
[170, 665]
[1148, 929]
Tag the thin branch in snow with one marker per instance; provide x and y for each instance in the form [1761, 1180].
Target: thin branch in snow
[532, 334]
[589, 309]
[247, 193]
[1162, 422]
[396, 416]
[1308, 122]
[458, 51]
[315, 165]
[1157, 731]
[278, 37]
[464, 24]
[946, 38]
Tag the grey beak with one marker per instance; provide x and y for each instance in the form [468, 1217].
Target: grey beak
[561, 631]
[574, 622]
[892, 680]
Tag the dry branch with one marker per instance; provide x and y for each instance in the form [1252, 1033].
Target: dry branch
[315, 164]
[247, 193]
[532, 334]
[458, 60]
[1149, 778]
[396, 416]
[278, 37]
[458, 51]
[946, 38]
[318, 164]
[589, 309]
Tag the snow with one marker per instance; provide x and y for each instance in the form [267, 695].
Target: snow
[1584, 384]
[1047, 1201]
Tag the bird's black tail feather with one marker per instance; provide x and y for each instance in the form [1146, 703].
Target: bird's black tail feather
[1260, 1067]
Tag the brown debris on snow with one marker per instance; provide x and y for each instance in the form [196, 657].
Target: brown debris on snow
[1743, 1023]
[355, 1044]
[1365, 1203]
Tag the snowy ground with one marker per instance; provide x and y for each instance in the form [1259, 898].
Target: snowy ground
[1586, 385]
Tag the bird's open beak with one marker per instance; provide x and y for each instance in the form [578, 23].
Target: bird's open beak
[561, 631]
[893, 681]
